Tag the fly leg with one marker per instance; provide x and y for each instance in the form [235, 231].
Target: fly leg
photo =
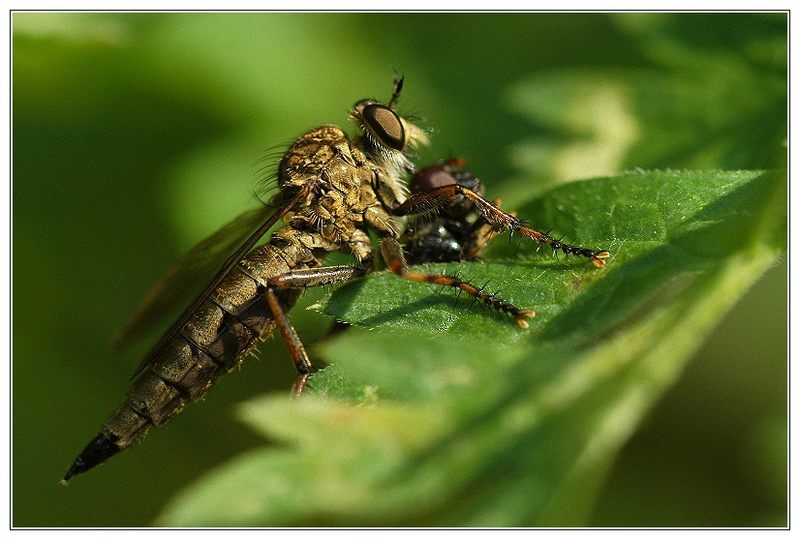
[306, 277]
[438, 197]
[318, 277]
[483, 232]
[395, 261]
[293, 343]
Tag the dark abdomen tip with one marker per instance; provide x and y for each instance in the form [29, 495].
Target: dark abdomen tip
[96, 452]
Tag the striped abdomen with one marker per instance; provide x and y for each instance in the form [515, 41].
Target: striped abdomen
[215, 339]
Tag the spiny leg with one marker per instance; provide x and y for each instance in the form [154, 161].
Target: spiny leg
[484, 232]
[501, 220]
[395, 261]
[301, 278]
[306, 277]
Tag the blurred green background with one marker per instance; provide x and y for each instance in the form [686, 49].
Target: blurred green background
[135, 135]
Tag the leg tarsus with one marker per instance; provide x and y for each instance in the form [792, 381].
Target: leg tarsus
[395, 261]
[300, 384]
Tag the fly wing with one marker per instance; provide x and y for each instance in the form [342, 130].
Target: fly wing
[270, 216]
[188, 275]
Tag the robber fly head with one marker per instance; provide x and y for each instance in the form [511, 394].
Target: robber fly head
[387, 136]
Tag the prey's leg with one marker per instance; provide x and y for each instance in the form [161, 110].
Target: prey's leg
[395, 261]
[438, 197]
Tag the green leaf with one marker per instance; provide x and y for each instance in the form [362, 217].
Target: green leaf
[433, 414]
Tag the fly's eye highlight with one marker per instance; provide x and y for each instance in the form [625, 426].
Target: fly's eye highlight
[364, 103]
[384, 125]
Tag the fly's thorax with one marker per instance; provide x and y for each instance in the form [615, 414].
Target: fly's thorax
[307, 158]
[340, 175]
[297, 245]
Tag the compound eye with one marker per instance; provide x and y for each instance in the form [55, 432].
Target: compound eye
[384, 124]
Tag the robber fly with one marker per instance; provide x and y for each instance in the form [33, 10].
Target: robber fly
[333, 190]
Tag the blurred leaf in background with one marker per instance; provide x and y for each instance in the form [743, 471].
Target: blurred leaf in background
[713, 95]
[137, 134]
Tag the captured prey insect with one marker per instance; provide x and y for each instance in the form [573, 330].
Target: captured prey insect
[333, 190]
[465, 222]
[457, 232]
